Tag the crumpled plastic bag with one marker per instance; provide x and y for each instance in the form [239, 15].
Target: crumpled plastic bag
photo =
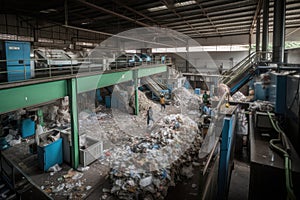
[54, 168]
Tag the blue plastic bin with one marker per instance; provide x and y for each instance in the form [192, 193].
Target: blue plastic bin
[197, 91]
[50, 154]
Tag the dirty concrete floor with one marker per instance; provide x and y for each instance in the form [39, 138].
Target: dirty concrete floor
[240, 177]
[239, 185]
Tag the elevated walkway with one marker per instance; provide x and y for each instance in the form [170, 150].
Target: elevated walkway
[17, 95]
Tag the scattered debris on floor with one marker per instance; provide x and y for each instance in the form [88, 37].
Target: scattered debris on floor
[69, 185]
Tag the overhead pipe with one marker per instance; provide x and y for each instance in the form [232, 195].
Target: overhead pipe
[265, 33]
[279, 31]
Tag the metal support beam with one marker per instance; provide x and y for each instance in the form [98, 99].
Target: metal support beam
[66, 12]
[250, 42]
[136, 91]
[256, 16]
[207, 16]
[31, 95]
[258, 34]
[136, 12]
[40, 116]
[171, 8]
[265, 34]
[279, 31]
[112, 13]
[72, 90]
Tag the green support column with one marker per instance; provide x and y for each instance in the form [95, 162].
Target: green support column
[136, 90]
[40, 117]
[72, 91]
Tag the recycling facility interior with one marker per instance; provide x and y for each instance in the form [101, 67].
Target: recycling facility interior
[150, 100]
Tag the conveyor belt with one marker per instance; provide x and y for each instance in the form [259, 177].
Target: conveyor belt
[154, 86]
[240, 74]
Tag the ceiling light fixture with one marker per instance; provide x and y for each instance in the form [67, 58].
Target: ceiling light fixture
[157, 8]
[48, 11]
[185, 3]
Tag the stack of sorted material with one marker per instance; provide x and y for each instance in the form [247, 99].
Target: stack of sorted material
[147, 166]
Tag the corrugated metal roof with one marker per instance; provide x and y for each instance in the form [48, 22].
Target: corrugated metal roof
[196, 18]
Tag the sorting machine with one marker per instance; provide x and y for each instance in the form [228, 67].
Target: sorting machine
[14, 61]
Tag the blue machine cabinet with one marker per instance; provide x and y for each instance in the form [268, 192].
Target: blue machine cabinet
[50, 154]
[278, 93]
[17, 65]
[226, 156]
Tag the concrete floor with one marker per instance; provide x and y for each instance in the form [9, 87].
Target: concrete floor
[240, 177]
[239, 185]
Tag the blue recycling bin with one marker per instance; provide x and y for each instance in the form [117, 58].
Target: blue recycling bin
[197, 91]
[50, 154]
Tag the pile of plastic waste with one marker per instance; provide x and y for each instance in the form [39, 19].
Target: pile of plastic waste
[184, 98]
[147, 166]
[144, 102]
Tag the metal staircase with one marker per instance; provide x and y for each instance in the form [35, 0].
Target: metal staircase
[241, 73]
